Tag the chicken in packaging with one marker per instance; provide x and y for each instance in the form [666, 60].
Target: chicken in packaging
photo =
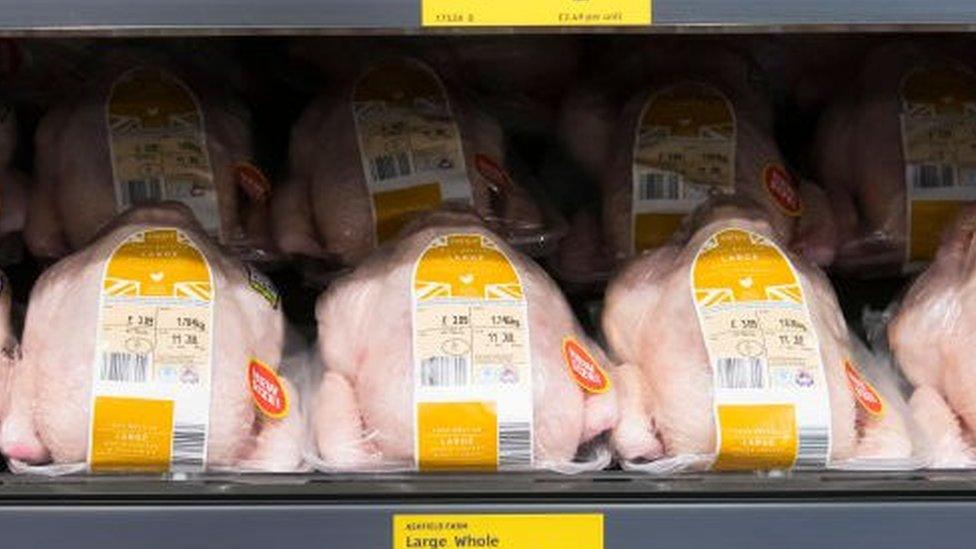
[449, 350]
[895, 152]
[735, 356]
[152, 350]
[149, 126]
[930, 337]
[692, 121]
[389, 141]
[14, 188]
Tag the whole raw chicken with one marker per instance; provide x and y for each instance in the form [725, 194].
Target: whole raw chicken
[363, 414]
[931, 337]
[858, 155]
[600, 127]
[48, 421]
[75, 194]
[326, 210]
[666, 381]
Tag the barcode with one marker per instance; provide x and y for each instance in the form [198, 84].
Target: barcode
[125, 367]
[141, 192]
[188, 445]
[444, 371]
[514, 445]
[660, 186]
[813, 447]
[931, 176]
[740, 373]
[388, 166]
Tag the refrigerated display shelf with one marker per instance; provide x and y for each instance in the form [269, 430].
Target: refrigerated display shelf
[908, 510]
[188, 16]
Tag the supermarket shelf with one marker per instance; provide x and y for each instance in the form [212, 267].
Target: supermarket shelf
[801, 511]
[249, 16]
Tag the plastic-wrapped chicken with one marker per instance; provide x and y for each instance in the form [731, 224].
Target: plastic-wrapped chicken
[931, 338]
[152, 350]
[895, 155]
[449, 350]
[736, 356]
[692, 121]
[144, 129]
[383, 145]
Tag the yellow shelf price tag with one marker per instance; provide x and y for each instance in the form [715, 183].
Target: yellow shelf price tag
[537, 13]
[565, 531]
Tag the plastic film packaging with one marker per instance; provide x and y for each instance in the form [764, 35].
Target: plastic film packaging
[479, 364]
[167, 357]
[149, 126]
[684, 126]
[736, 357]
[929, 334]
[393, 140]
[894, 153]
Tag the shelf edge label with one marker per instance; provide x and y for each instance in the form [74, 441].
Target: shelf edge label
[566, 531]
[538, 13]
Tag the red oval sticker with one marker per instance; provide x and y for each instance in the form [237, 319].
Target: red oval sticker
[267, 390]
[585, 370]
[866, 395]
[252, 181]
[780, 185]
[491, 171]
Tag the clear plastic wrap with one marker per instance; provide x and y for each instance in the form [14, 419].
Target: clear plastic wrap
[678, 122]
[892, 152]
[930, 335]
[386, 340]
[685, 339]
[390, 140]
[153, 350]
[149, 125]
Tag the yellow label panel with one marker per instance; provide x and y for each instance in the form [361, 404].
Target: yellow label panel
[456, 436]
[152, 368]
[409, 143]
[652, 230]
[393, 208]
[938, 130]
[684, 152]
[131, 434]
[554, 531]
[158, 144]
[770, 391]
[929, 218]
[472, 367]
[756, 437]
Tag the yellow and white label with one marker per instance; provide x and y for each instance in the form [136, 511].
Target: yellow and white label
[409, 144]
[684, 151]
[938, 129]
[151, 376]
[472, 368]
[158, 145]
[562, 531]
[772, 407]
[538, 13]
